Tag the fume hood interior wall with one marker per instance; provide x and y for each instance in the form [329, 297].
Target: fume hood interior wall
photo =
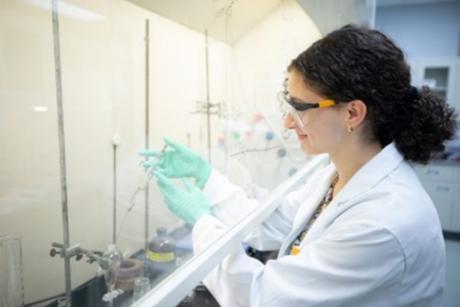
[259, 63]
[102, 50]
[261, 57]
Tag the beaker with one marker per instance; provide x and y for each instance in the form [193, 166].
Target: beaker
[141, 287]
[11, 283]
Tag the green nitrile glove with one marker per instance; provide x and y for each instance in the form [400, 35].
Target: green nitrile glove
[189, 204]
[150, 153]
[180, 161]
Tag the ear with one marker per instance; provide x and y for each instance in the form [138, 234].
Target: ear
[356, 113]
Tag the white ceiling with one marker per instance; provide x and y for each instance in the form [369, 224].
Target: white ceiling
[211, 14]
[381, 3]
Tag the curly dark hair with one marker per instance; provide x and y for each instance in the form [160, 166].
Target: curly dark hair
[355, 62]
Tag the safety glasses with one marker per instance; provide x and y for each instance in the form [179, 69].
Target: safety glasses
[296, 107]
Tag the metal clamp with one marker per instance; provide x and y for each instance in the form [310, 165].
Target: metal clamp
[75, 251]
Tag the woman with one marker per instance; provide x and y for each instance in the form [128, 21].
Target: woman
[362, 231]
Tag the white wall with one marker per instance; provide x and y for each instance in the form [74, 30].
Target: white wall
[423, 30]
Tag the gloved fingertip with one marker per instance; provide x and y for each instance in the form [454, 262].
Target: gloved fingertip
[173, 145]
[143, 152]
[169, 142]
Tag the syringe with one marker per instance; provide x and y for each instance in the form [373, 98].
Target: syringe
[143, 184]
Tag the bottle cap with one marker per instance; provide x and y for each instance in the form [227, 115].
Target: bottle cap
[161, 231]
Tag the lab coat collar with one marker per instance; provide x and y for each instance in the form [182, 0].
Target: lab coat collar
[371, 173]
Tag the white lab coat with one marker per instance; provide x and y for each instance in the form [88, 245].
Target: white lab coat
[378, 243]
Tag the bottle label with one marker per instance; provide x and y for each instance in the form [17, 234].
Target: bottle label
[161, 257]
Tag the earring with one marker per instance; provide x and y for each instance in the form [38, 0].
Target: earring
[349, 128]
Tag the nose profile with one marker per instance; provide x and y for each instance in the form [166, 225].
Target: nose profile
[289, 122]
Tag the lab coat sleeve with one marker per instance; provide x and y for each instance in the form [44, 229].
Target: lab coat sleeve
[230, 204]
[341, 268]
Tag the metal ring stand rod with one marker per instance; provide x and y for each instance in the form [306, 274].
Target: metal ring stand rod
[62, 156]
[147, 130]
